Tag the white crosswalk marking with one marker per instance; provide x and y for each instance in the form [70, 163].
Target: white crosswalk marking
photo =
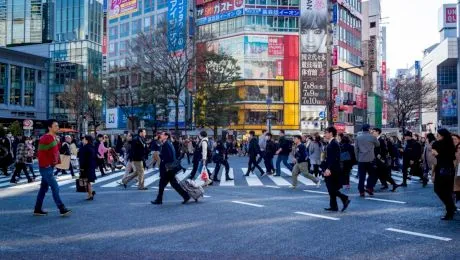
[151, 179]
[224, 182]
[182, 175]
[252, 179]
[300, 178]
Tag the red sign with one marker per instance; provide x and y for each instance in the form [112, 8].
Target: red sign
[201, 2]
[219, 7]
[340, 128]
[104, 45]
[451, 15]
[335, 56]
[384, 75]
[335, 111]
[275, 46]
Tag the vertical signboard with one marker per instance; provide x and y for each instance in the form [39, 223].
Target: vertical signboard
[313, 57]
[177, 25]
[122, 7]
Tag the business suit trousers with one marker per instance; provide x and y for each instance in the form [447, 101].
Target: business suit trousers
[268, 161]
[333, 188]
[259, 160]
[217, 169]
[170, 178]
[252, 164]
[138, 167]
[302, 168]
[363, 169]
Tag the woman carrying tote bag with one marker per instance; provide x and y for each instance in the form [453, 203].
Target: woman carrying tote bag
[87, 160]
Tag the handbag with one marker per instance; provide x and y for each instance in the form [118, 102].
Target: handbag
[65, 162]
[174, 166]
[81, 185]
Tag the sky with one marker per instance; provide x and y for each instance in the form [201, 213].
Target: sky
[412, 27]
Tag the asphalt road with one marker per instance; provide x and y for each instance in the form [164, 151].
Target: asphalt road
[239, 221]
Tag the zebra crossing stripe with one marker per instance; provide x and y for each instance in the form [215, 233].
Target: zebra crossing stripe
[152, 179]
[224, 182]
[278, 180]
[300, 178]
[252, 179]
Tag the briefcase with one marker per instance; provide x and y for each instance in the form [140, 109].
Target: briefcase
[81, 185]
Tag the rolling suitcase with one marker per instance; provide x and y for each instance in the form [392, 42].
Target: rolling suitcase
[195, 191]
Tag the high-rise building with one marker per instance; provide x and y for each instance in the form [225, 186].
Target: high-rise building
[349, 94]
[263, 36]
[123, 25]
[76, 52]
[24, 22]
[375, 76]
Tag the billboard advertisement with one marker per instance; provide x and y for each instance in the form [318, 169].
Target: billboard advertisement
[449, 103]
[177, 25]
[122, 7]
[314, 18]
[264, 56]
[218, 7]
[450, 16]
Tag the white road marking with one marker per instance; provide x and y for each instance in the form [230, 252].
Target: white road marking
[384, 200]
[206, 196]
[300, 178]
[316, 215]
[252, 179]
[271, 186]
[224, 182]
[151, 179]
[314, 191]
[418, 234]
[248, 204]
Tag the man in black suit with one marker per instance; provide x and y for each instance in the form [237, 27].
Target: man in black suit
[381, 157]
[253, 151]
[333, 171]
[167, 155]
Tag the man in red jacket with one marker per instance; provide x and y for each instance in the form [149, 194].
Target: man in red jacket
[48, 157]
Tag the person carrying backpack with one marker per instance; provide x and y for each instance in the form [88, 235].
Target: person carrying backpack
[201, 155]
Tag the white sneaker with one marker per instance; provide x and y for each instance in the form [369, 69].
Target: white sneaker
[318, 184]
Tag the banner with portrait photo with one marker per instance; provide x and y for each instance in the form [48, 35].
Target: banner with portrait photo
[313, 54]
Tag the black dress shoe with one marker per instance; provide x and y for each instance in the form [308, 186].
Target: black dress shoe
[395, 187]
[345, 205]
[331, 209]
[370, 192]
[216, 180]
[247, 174]
[228, 179]
[156, 202]
[186, 200]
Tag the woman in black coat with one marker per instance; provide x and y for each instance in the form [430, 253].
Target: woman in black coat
[87, 160]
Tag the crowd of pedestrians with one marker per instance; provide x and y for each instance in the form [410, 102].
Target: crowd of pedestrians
[322, 158]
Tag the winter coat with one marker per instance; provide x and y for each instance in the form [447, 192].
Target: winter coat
[457, 161]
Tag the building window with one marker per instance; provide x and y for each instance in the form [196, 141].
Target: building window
[260, 117]
[149, 6]
[136, 27]
[113, 32]
[124, 29]
[161, 19]
[113, 49]
[3, 83]
[16, 82]
[29, 87]
[260, 93]
[162, 3]
[373, 24]
[123, 46]
[148, 23]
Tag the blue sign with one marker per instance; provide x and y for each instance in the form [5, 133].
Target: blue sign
[335, 14]
[219, 17]
[322, 115]
[177, 25]
[274, 12]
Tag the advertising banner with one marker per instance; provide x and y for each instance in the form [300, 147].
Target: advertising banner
[111, 118]
[449, 103]
[275, 46]
[218, 7]
[177, 25]
[451, 16]
[122, 7]
[314, 18]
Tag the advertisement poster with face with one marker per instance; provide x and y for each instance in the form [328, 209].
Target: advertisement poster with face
[313, 56]
[449, 103]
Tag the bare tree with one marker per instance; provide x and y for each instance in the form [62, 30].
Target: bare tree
[409, 96]
[169, 71]
[216, 94]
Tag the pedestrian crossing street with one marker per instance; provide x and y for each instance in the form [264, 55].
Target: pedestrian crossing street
[152, 177]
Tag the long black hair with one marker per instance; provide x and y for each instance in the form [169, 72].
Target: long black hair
[447, 143]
